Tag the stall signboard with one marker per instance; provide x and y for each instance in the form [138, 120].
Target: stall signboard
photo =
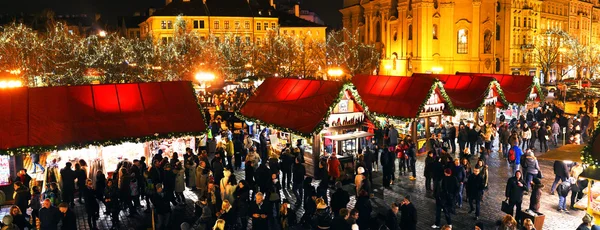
[434, 107]
[4, 170]
[491, 98]
[343, 106]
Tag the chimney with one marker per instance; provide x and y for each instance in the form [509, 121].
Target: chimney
[272, 3]
[297, 10]
[167, 2]
[151, 11]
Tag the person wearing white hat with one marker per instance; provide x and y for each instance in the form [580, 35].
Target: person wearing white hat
[359, 178]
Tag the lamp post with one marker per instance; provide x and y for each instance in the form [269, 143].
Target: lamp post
[203, 77]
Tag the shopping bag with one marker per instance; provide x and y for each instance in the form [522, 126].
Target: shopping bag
[506, 208]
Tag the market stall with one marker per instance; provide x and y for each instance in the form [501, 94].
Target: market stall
[521, 91]
[590, 156]
[473, 97]
[306, 111]
[104, 123]
[411, 103]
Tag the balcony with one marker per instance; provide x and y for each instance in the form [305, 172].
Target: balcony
[527, 46]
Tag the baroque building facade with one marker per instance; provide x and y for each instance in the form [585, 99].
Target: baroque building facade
[448, 36]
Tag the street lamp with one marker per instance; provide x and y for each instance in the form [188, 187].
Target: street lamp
[335, 72]
[102, 33]
[204, 76]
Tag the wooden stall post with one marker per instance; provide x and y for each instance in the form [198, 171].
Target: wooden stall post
[316, 153]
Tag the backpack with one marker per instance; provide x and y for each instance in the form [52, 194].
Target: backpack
[512, 155]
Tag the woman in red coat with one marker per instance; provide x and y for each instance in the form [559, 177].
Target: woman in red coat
[333, 167]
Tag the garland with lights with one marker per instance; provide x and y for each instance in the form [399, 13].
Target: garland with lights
[502, 98]
[142, 139]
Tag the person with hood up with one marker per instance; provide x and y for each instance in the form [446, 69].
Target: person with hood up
[536, 195]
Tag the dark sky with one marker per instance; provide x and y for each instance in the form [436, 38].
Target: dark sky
[328, 10]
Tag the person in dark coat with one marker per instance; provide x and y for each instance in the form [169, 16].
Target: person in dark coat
[428, 171]
[81, 177]
[49, 216]
[542, 134]
[561, 172]
[263, 145]
[238, 146]
[408, 219]
[340, 222]
[263, 177]
[475, 187]
[162, 208]
[287, 162]
[297, 182]
[218, 166]
[515, 187]
[463, 138]
[111, 201]
[363, 204]
[339, 199]
[169, 184]
[91, 204]
[461, 176]
[536, 195]
[391, 218]
[241, 203]
[19, 218]
[260, 213]
[445, 193]
[22, 196]
[23, 177]
[68, 218]
[473, 136]
[387, 162]
[100, 185]
[68, 181]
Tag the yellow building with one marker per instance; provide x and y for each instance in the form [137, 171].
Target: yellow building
[445, 36]
[244, 19]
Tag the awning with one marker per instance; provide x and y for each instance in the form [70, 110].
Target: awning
[350, 136]
[46, 118]
[590, 173]
[294, 105]
[399, 97]
[518, 89]
[469, 93]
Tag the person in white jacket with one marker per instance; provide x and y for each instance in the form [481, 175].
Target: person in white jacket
[526, 135]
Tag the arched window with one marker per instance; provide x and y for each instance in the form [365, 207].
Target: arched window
[487, 42]
[497, 32]
[410, 31]
[498, 7]
[497, 64]
[435, 31]
[378, 32]
[435, 4]
[462, 46]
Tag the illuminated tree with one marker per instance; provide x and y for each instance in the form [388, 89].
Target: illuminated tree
[237, 55]
[62, 57]
[548, 50]
[346, 51]
[20, 49]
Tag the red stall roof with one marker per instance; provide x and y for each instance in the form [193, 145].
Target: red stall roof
[398, 97]
[40, 119]
[516, 88]
[468, 92]
[295, 105]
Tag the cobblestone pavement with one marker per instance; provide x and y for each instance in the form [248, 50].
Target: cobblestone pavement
[490, 206]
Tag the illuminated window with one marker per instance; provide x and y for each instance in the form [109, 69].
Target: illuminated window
[435, 28]
[169, 25]
[237, 25]
[410, 32]
[266, 25]
[226, 25]
[217, 25]
[163, 25]
[273, 25]
[247, 25]
[258, 26]
[462, 46]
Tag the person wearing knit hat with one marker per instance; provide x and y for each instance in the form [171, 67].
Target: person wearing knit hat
[8, 223]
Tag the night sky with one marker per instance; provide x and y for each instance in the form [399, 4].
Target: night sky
[328, 10]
